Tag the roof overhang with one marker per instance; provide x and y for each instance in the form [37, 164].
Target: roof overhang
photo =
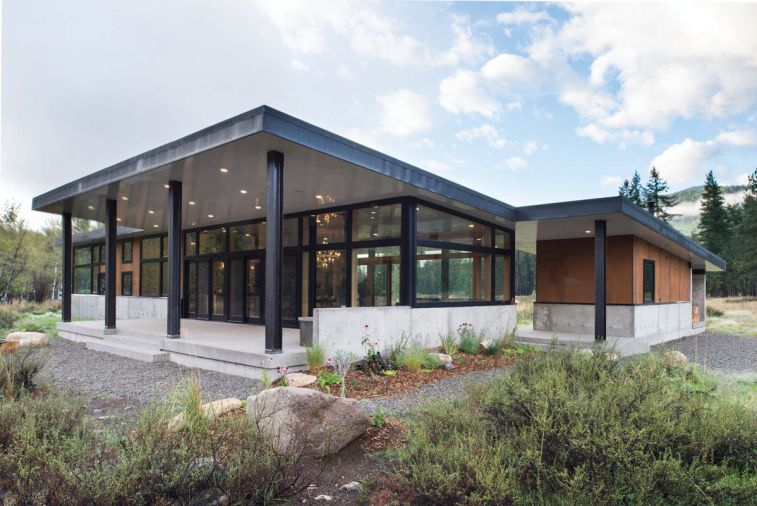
[316, 163]
[568, 220]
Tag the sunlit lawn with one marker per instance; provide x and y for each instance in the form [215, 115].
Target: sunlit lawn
[739, 315]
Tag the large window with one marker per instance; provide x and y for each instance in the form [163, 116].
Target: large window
[330, 228]
[212, 241]
[330, 278]
[377, 222]
[87, 261]
[247, 237]
[127, 248]
[648, 281]
[126, 283]
[376, 276]
[154, 267]
[460, 260]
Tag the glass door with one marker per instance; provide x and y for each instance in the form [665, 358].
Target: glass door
[236, 290]
[255, 289]
[218, 290]
[202, 290]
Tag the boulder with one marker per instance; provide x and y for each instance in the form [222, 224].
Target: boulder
[33, 339]
[298, 379]
[301, 419]
[324, 497]
[443, 358]
[353, 486]
[8, 347]
[209, 410]
[675, 358]
[586, 351]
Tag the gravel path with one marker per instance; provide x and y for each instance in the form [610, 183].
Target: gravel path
[725, 352]
[110, 377]
[446, 388]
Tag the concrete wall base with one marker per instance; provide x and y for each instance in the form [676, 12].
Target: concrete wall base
[92, 307]
[344, 328]
[666, 321]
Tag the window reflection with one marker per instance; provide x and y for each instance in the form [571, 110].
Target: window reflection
[435, 225]
[330, 278]
[446, 275]
[376, 276]
[377, 222]
[329, 228]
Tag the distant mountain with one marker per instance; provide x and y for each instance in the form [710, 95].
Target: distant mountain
[690, 202]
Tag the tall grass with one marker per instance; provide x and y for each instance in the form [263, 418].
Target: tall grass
[415, 359]
[316, 355]
[448, 343]
[567, 428]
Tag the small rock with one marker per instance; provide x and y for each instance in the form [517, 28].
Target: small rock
[676, 358]
[586, 351]
[209, 410]
[33, 339]
[352, 486]
[443, 358]
[298, 379]
[448, 367]
[486, 343]
[324, 497]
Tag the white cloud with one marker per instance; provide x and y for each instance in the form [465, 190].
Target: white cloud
[298, 65]
[612, 181]
[466, 47]
[738, 138]
[318, 26]
[404, 113]
[623, 137]
[516, 163]
[531, 147]
[464, 93]
[652, 65]
[437, 166]
[509, 68]
[486, 132]
[522, 16]
[424, 143]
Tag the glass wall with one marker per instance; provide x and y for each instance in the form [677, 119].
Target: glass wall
[153, 277]
[447, 275]
[86, 268]
[376, 276]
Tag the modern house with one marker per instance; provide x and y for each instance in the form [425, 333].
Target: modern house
[307, 236]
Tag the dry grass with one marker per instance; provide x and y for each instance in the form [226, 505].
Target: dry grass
[739, 315]
[525, 305]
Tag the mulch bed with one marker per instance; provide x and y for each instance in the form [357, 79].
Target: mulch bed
[362, 385]
[391, 435]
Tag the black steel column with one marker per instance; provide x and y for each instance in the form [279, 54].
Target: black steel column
[110, 264]
[407, 254]
[600, 280]
[67, 267]
[173, 324]
[274, 253]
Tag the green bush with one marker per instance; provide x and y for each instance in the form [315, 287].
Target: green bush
[577, 429]
[713, 312]
[494, 347]
[326, 378]
[7, 317]
[449, 343]
[316, 354]
[469, 343]
[415, 358]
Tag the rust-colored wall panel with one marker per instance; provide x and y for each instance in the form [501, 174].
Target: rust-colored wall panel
[672, 273]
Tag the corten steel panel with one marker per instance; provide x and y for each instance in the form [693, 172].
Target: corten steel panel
[672, 274]
[565, 270]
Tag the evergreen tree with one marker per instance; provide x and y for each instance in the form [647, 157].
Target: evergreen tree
[655, 196]
[745, 240]
[714, 225]
[632, 189]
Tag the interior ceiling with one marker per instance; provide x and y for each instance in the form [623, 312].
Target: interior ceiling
[528, 232]
[312, 180]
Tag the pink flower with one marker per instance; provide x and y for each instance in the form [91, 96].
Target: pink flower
[329, 360]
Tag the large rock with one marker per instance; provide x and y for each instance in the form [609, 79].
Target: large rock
[8, 347]
[296, 419]
[675, 358]
[209, 411]
[444, 359]
[298, 379]
[33, 339]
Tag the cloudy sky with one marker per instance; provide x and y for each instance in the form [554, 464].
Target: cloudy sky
[528, 103]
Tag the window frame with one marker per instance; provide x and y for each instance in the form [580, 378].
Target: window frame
[125, 260]
[94, 264]
[162, 259]
[645, 263]
[130, 274]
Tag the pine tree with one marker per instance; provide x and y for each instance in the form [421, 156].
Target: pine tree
[714, 230]
[632, 189]
[655, 196]
[745, 240]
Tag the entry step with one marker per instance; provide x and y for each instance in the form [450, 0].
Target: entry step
[128, 350]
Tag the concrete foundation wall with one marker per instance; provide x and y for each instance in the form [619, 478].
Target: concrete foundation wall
[699, 297]
[92, 307]
[344, 328]
[667, 321]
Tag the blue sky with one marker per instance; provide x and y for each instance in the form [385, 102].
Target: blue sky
[528, 103]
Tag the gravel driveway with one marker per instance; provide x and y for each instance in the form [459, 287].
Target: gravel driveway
[724, 352]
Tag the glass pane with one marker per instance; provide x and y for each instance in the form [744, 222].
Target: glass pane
[376, 276]
[126, 283]
[254, 288]
[445, 275]
[290, 231]
[434, 225]
[377, 222]
[82, 255]
[329, 228]
[212, 241]
[305, 287]
[502, 278]
[82, 279]
[126, 252]
[330, 279]
[289, 287]
[192, 288]
[247, 237]
[190, 243]
[218, 288]
[236, 289]
[305, 230]
[502, 239]
[99, 254]
[648, 281]
[151, 248]
[164, 278]
[150, 277]
[100, 282]
[164, 246]
[203, 289]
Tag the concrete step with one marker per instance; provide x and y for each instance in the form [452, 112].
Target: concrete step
[129, 350]
[134, 340]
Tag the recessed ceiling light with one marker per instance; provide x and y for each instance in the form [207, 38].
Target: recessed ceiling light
[257, 203]
[166, 186]
[375, 234]
[243, 192]
[224, 170]
[210, 216]
[191, 202]
[155, 226]
[118, 219]
[587, 231]
[151, 211]
[124, 197]
[193, 224]
[319, 196]
[91, 208]
[471, 225]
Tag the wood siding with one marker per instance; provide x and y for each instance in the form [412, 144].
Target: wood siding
[565, 271]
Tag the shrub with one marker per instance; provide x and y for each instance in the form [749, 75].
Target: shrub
[577, 429]
[494, 347]
[7, 317]
[378, 417]
[327, 378]
[469, 341]
[449, 343]
[17, 372]
[398, 346]
[46, 324]
[316, 354]
[415, 358]
[713, 312]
